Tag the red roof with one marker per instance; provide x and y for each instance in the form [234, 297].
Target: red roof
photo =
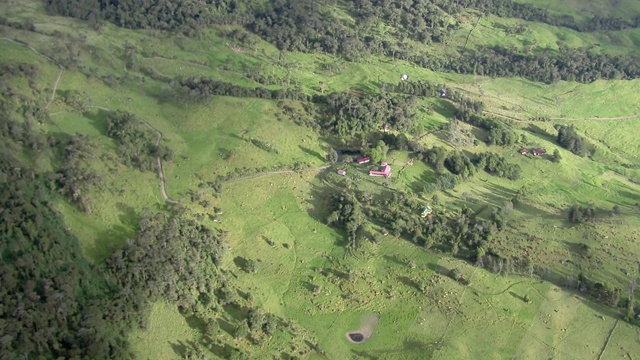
[524, 151]
[537, 152]
[386, 171]
[364, 160]
[342, 172]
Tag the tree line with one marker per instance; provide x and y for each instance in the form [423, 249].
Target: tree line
[309, 26]
[186, 16]
[569, 64]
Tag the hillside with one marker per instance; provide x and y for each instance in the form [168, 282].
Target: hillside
[170, 180]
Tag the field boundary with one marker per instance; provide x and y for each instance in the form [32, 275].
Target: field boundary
[618, 118]
[606, 342]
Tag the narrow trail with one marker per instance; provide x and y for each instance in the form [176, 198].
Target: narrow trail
[276, 172]
[163, 185]
[606, 342]
[266, 173]
[55, 88]
[618, 118]
[55, 85]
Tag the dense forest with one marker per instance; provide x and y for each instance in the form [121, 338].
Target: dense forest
[309, 26]
[55, 304]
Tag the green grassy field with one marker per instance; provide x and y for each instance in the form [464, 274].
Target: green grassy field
[615, 8]
[277, 218]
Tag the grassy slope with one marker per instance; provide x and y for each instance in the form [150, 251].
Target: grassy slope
[616, 8]
[283, 207]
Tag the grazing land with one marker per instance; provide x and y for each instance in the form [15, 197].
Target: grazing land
[257, 247]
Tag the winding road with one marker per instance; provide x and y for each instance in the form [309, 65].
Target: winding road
[163, 185]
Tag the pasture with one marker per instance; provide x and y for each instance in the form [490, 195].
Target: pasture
[276, 214]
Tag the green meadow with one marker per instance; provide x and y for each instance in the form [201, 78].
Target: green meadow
[275, 204]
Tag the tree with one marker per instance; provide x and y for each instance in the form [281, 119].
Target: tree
[379, 153]
[251, 266]
[570, 140]
[332, 156]
[616, 209]
[556, 157]
[241, 330]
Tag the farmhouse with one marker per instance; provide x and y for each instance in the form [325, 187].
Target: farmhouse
[363, 160]
[524, 151]
[342, 172]
[426, 211]
[385, 171]
[538, 152]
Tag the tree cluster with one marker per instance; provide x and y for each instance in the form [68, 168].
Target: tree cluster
[136, 143]
[570, 140]
[580, 214]
[424, 21]
[348, 114]
[455, 161]
[198, 89]
[172, 258]
[76, 176]
[498, 165]
[347, 213]
[600, 291]
[183, 15]
[499, 133]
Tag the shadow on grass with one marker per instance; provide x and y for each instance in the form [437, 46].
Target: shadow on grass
[410, 283]
[112, 238]
[394, 259]
[226, 326]
[195, 323]
[519, 297]
[444, 108]
[312, 153]
[240, 262]
[410, 349]
[439, 269]
[425, 178]
[98, 119]
[128, 216]
[541, 133]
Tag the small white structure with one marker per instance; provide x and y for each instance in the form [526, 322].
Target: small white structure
[404, 77]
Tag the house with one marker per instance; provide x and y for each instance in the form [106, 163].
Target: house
[363, 160]
[342, 172]
[404, 77]
[385, 171]
[426, 211]
[538, 152]
[524, 151]
[443, 92]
